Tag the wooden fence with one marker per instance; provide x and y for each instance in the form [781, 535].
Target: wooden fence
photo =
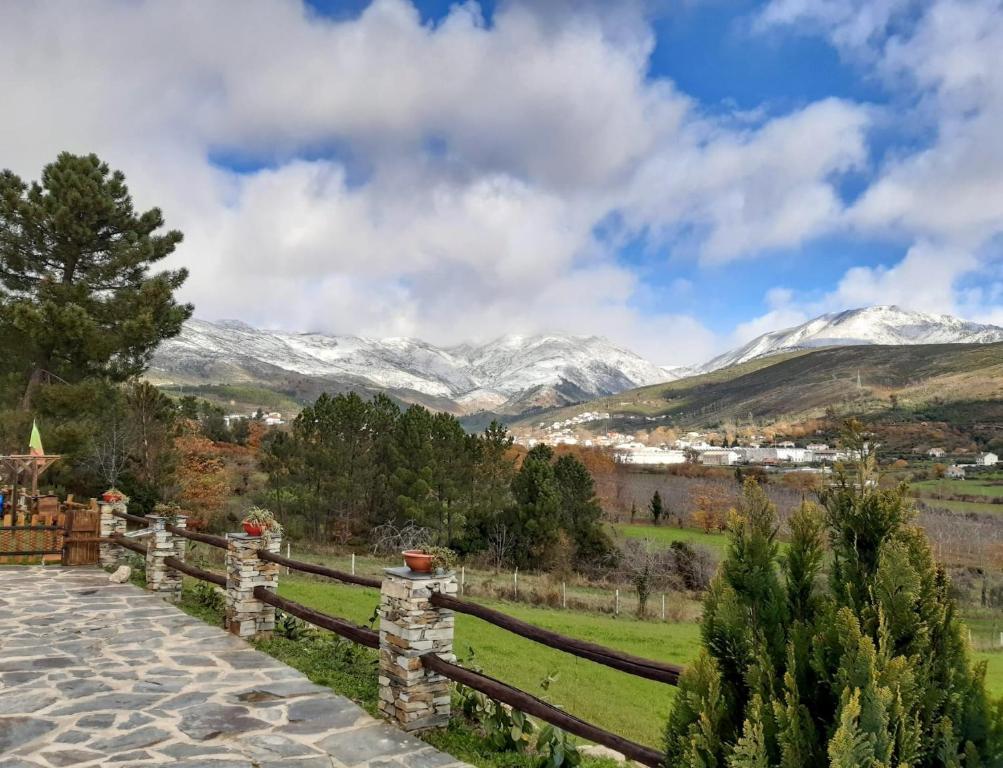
[489, 686]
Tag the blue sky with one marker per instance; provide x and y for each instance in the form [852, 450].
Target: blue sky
[677, 175]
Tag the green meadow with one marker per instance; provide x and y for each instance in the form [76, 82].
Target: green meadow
[622, 703]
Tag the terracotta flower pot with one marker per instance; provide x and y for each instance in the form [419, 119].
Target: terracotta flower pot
[111, 497]
[418, 562]
[253, 529]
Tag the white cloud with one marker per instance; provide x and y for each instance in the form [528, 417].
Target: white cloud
[459, 170]
[941, 60]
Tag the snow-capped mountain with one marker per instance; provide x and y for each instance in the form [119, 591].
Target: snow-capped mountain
[509, 374]
[869, 325]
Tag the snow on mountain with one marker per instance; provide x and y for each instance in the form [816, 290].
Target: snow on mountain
[511, 371]
[869, 325]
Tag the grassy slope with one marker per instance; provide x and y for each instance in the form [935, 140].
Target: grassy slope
[804, 383]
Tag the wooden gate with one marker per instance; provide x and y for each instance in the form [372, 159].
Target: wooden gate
[81, 540]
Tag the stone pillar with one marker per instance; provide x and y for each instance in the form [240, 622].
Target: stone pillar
[162, 544]
[246, 616]
[410, 626]
[111, 555]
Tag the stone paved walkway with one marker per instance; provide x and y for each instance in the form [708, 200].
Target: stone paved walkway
[94, 673]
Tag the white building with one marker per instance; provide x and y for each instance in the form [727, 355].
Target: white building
[720, 457]
[955, 472]
[987, 460]
[635, 453]
[935, 453]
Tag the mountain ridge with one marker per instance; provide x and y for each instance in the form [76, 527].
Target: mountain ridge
[880, 324]
[510, 374]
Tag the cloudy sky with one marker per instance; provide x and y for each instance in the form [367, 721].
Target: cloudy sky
[678, 176]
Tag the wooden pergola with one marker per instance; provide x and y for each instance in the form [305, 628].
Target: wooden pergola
[32, 466]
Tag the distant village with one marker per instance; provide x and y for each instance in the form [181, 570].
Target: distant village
[694, 447]
[272, 419]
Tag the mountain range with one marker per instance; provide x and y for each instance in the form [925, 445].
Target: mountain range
[510, 375]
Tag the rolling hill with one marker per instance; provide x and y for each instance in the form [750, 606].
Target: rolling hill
[860, 380]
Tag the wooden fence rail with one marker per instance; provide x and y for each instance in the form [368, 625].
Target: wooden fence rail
[131, 518]
[319, 570]
[362, 635]
[203, 538]
[195, 572]
[134, 546]
[531, 705]
[625, 662]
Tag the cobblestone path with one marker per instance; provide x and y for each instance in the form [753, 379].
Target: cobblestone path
[94, 673]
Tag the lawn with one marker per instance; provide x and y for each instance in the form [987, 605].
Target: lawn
[963, 506]
[620, 702]
[962, 487]
[666, 534]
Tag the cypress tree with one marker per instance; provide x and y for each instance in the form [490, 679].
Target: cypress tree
[868, 668]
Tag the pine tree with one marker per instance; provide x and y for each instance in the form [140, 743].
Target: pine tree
[76, 289]
[870, 669]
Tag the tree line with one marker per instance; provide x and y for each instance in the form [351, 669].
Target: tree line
[349, 465]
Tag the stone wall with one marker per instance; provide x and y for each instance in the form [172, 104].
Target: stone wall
[410, 626]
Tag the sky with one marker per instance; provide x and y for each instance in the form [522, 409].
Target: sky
[676, 175]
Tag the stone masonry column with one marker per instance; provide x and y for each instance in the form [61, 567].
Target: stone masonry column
[410, 626]
[162, 544]
[111, 555]
[246, 616]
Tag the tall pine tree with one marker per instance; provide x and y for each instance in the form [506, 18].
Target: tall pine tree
[76, 287]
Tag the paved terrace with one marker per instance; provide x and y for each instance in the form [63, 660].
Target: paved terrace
[94, 673]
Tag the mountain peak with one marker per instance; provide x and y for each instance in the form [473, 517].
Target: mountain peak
[879, 324]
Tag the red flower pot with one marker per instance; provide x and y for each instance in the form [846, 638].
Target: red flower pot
[253, 529]
[111, 497]
[418, 562]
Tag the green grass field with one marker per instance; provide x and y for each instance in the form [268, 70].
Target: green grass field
[624, 704]
[665, 534]
[960, 487]
[987, 508]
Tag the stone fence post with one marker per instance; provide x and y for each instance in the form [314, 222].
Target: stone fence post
[245, 615]
[110, 555]
[410, 626]
[165, 581]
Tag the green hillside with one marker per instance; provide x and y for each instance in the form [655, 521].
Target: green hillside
[964, 379]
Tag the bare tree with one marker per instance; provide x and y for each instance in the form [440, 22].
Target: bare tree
[110, 447]
[390, 538]
[644, 567]
[499, 544]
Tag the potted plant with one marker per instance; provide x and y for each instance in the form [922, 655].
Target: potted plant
[113, 496]
[259, 521]
[417, 560]
[429, 559]
[169, 511]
